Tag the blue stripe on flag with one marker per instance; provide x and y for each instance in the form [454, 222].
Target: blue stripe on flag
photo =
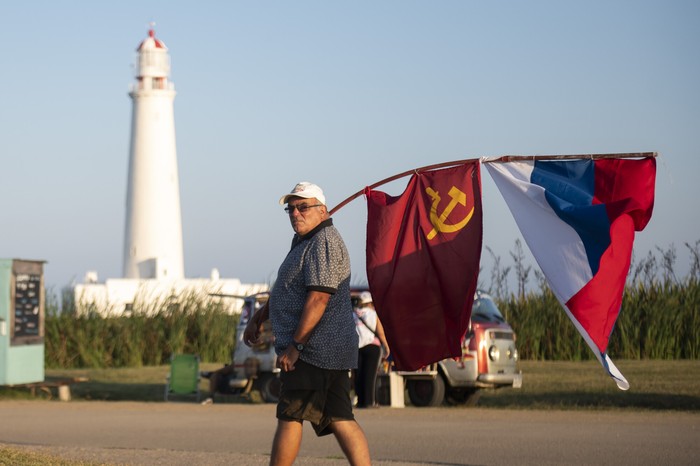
[569, 188]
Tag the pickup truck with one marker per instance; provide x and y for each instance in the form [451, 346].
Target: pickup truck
[489, 360]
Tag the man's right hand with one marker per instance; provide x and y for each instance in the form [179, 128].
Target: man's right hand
[251, 335]
[253, 330]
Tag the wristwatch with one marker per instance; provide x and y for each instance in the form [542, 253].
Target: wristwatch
[299, 346]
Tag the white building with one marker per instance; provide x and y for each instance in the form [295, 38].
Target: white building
[153, 267]
[117, 296]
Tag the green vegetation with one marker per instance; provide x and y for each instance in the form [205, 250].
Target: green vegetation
[10, 456]
[658, 321]
[146, 337]
[146, 383]
[660, 317]
[654, 385]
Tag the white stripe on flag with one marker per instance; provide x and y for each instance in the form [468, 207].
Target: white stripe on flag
[556, 246]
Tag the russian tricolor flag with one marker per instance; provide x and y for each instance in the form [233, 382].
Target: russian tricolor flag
[578, 218]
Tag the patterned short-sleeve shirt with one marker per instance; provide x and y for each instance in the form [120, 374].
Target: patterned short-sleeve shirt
[318, 261]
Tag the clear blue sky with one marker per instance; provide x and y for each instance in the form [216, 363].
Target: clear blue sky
[343, 94]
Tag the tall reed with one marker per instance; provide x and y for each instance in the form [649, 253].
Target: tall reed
[660, 319]
[146, 337]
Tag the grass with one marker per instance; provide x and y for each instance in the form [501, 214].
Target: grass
[654, 385]
[10, 456]
[121, 384]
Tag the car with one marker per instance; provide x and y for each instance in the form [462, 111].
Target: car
[489, 360]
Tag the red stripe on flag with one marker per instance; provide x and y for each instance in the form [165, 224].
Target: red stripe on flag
[626, 187]
[597, 305]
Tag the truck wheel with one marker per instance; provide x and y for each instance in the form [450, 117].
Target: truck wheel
[463, 396]
[269, 387]
[426, 392]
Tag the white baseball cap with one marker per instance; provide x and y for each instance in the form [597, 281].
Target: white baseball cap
[365, 297]
[307, 191]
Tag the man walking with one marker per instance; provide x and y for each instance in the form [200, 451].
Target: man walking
[315, 338]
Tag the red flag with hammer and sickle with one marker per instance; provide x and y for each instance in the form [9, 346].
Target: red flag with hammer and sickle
[423, 252]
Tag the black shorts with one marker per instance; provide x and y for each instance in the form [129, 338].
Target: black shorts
[320, 396]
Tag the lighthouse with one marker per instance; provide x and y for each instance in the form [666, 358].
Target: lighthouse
[153, 227]
[153, 273]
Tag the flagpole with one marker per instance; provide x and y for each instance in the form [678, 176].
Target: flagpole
[396, 177]
[503, 158]
[518, 158]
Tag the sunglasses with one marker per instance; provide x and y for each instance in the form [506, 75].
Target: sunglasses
[301, 208]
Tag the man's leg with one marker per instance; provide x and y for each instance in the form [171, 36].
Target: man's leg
[285, 446]
[353, 442]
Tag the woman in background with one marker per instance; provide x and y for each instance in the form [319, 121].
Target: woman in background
[371, 343]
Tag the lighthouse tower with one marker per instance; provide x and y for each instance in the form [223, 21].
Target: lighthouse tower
[153, 261]
[153, 233]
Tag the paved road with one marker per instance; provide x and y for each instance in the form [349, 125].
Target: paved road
[192, 434]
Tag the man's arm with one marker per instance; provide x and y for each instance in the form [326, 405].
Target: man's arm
[253, 328]
[314, 307]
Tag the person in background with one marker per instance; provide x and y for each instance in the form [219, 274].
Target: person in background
[218, 381]
[372, 348]
[315, 338]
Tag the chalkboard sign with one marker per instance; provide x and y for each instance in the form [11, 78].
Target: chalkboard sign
[28, 310]
[27, 305]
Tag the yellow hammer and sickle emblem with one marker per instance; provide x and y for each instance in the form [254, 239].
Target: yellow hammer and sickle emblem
[438, 221]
